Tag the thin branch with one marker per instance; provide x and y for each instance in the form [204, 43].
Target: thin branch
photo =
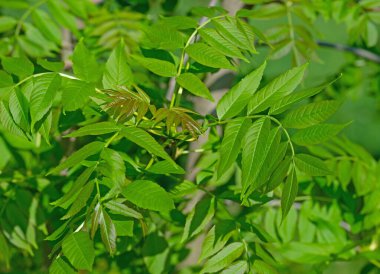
[366, 54]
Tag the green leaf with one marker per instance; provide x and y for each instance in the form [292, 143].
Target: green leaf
[62, 16]
[262, 267]
[95, 129]
[215, 40]
[59, 266]
[207, 56]
[19, 66]
[316, 134]
[253, 155]
[144, 140]
[198, 218]
[117, 72]
[7, 23]
[124, 228]
[7, 121]
[286, 102]
[289, 192]
[42, 96]
[217, 238]
[78, 156]
[19, 108]
[235, 100]
[79, 249]
[80, 201]
[121, 209]
[231, 143]
[239, 267]
[49, 65]
[310, 114]
[279, 174]
[6, 80]
[148, 195]
[155, 252]
[277, 88]
[224, 258]
[157, 66]
[85, 66]
[162, 36]
[180, 22]
[75, 93]
[194, 85]
[47, 26]
[165, 167]
[311, 165]
[344, 172]
[5, 251]
[107, 231]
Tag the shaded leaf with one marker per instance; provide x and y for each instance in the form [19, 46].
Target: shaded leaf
[79, 249]
[289, 193]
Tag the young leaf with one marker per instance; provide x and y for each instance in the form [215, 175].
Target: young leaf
[107, 231]
[144, 140]
[148, 195]
[198, 218]
[157, 66]
[310, 114]
[235, 100]
[79, 249]
[231, 143]
[224, 258]
[194, 85]
[42, 97]
[84, 64]
[95, 129]
[79, 155]
[207, 56]
[316, 134]
[289, 192]
[277, 88]
[311, 165]
[19, 66]
[117, 72]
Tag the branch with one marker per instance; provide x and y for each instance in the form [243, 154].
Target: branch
[366, 54]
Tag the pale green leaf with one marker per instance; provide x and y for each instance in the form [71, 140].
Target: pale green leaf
[239, 267]
[117, 72]
[310, 114]
[148, 195]
[7, 121]
[207, 56]
[51, 66]
[235, 100]
[344, 172]
[231, 143]
[78, 156]
[47, 26]
[95, 129]
[62, 16]
[316, 134]
[79, 249]
[277, 88]
[157, 66]
[75, 93]
[19, 66]
[163, 36]
[85, 66]
[193, 84]
[311, 165]
[7, 23]
[224, 258]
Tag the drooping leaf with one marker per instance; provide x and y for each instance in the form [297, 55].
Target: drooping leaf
[117, 72]
[7, 121]
[289, 192]
[235, 100]
[19, 66]
[198, 218]
[79, 155]
[59, 266]
[316, 134]
[194, 85]
[84, 64]
[311, 165]
[19, 108]
[107, 231]
[277, 88]
[117, 207]
[207, 56]
[79, 249]
[231, 143]
[149, 195]
[310, 114]
[224, 258]
[239, 267]
[279, 174]
[95, 129]
[80, 201]
[157, 66]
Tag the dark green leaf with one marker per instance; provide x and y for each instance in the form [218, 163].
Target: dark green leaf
[289, 192]
[79, 249]
[107, 231]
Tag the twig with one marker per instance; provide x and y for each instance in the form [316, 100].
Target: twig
[366, 54]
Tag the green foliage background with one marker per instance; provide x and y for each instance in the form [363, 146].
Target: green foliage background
[174, 136]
